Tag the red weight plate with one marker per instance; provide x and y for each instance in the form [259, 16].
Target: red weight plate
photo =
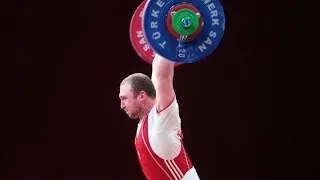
[138, 40]
[137, 37]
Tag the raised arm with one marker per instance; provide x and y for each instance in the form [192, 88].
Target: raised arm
[162, 78]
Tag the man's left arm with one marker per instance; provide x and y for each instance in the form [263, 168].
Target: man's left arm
[165, 145]
[162, 78]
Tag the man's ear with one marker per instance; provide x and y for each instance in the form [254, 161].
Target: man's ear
[142, 95]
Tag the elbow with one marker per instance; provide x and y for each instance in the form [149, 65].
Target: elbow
[164, 76]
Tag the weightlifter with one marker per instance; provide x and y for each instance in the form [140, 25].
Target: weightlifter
[158, 140]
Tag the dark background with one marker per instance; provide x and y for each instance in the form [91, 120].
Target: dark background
[247, 109]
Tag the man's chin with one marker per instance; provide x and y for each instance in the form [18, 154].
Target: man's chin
[132, 116]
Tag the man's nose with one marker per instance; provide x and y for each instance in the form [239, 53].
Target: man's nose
[121, 105]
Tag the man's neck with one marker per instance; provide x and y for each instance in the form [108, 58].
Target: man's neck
[147, 109]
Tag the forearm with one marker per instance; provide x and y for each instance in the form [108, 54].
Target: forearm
[162, 68]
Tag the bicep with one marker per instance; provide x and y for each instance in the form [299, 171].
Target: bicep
[164, 93]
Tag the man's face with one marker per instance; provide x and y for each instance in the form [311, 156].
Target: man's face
[128, 102]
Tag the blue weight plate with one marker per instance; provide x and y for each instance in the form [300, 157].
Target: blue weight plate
[166, 45]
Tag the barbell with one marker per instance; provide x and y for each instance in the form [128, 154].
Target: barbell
[183, 31]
